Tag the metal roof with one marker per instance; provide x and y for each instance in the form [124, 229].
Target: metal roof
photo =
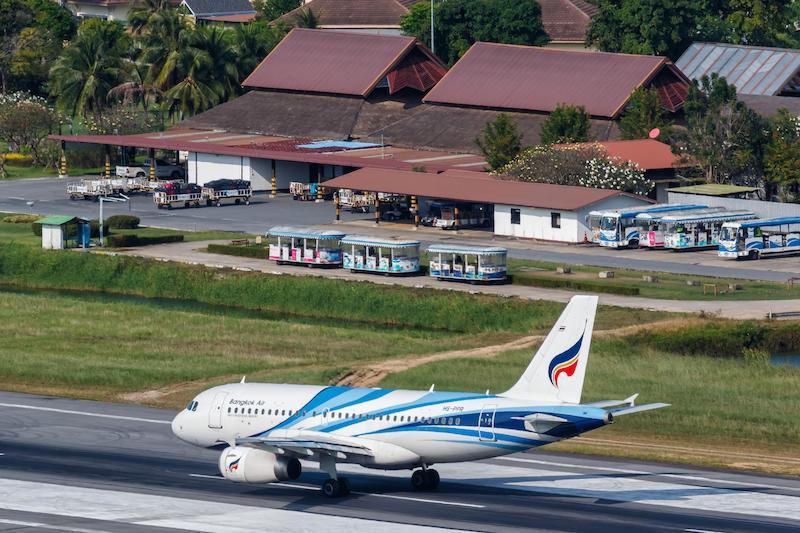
[764, 222]
[475, 187]
[463, 249]
[713, 189]
[304, 233]
[634, 211]
[566, 21]
[366, 240]
[218, 7]
[666, 215]
[718, 216]
[351, 13]
[752, 69]
[339, 62]
[648, 154]
[538, 79]
[58, 220]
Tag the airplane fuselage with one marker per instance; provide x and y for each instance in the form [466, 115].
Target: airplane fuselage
[402, 428]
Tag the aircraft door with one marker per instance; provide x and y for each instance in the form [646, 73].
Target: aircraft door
[215, 413]
[486, 423]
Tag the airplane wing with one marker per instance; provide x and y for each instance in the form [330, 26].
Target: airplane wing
[304, 443]
[637, 408]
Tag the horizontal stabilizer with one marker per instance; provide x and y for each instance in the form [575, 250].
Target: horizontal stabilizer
[540, 422]
[638, 408]
[613, 403]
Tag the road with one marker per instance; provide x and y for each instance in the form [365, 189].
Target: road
[49, 198]
[88, 467]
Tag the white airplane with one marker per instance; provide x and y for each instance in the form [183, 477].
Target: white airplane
[268, 428]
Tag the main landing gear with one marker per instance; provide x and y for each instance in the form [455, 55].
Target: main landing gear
[425, 479]
[335, 486]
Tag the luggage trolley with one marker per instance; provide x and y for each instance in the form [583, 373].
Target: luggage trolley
[305, 246]
[468, 263]
[384, 256]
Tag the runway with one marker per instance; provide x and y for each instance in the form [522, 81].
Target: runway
[81, 466]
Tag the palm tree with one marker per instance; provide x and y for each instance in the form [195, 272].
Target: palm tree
[162, 44]
[252, 42]
[136, 90]
[90, 67]
[139, 17]
[306, 19]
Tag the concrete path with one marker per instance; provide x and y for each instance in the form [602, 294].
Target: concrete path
[194, 253]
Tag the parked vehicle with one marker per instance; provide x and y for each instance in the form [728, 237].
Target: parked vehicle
[697, 230]
[89, 189]
[620, 229]
[461, 215]
[163, 170]
[178, 195]
[218, 192]
[356, 202]
[394, 211]
[754, 239]
[655, 225]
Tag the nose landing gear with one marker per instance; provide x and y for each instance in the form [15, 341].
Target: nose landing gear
[333, 488]
[425, 479]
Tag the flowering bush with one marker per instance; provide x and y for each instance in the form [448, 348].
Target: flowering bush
[585, 164]
[25, 123]
[121, 120]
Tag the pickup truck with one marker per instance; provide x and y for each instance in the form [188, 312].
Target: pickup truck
[163, 170]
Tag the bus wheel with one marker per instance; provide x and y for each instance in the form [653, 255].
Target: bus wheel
[754, 255]
[633, 244]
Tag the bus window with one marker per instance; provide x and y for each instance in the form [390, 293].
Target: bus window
[608, 223]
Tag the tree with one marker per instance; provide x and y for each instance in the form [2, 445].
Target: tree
[760, 22]
[90, 67]
[122, 119]
[723, 137]
[141, 16]
[566, 124]
[25, 122]
[782, 157]
[252, 42]
[643, 113]
[270, 10]
[460, 23]
[306, 18]
[15, 15]
[162, 40]
[585, 165]
[500, 142]
[53, 17]
[35, 50]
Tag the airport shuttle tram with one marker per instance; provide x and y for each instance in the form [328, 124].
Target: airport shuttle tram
[305, 246]
[753, 239]
[386, 256]
[467, 263]
[620, 229]
[698, 229]
[654, 225]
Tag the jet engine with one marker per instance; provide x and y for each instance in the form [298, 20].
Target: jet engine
[252, 465]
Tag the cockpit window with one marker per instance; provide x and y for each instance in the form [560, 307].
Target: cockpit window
[192, 406]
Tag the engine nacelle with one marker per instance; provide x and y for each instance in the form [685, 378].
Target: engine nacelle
[251, 465]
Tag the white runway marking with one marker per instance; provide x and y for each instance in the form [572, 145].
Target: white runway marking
[375, 494]
[84, 413]
[181, 513]
[43, 525]
[646, 473]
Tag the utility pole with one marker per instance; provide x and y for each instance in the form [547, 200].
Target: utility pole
[433, 46]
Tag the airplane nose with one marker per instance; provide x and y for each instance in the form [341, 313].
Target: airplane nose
[177, 425]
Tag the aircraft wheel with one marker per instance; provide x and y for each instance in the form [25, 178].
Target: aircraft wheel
[432, 478]
[344, 486]
[333, 488]
[418, 481]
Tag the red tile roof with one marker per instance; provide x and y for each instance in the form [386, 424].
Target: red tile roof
[567, 20]
[538, 79]
[324, 61]
[649, 154]
[469, 186]
[352, 13]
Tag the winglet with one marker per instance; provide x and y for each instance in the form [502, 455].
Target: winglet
[243, 378]
[433, 385]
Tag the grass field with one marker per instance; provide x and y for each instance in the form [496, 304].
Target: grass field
[669, 286]
[15, 172]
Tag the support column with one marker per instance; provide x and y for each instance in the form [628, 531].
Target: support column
[108, 162]
[415, 207]
[151, 155]
[338, 207]
[275, 181]
[455, 218]
[62, 163]
[377, 210]
[319, 183]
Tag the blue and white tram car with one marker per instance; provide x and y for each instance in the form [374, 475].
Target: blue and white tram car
[754, 239]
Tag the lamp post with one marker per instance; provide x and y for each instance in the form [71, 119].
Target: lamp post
[104, 199]
[433, 46]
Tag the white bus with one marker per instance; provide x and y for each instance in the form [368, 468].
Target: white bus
[654, 225]
[619, 228]
[698, 229]
[754, 239]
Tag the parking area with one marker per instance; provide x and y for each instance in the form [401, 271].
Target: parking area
[47, 196]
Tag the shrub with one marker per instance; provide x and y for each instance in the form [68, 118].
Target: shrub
[37, 229]
[21, 219]
[127, 241]
[756, 356]
[123, 222]
[579, 285]
[17, 159]
[257, 252]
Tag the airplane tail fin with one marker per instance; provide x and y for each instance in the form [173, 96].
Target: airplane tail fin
[557, 370]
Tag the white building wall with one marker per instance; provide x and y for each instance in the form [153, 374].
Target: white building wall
[52, 238]
[536, 223]
[761, 208]
[208, 167]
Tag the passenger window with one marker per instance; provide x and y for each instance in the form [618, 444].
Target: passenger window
[262, 411]
[458, 421]
[283, 412]
[269, 411]
[450, 421]
[236, 411]
[229, 409]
